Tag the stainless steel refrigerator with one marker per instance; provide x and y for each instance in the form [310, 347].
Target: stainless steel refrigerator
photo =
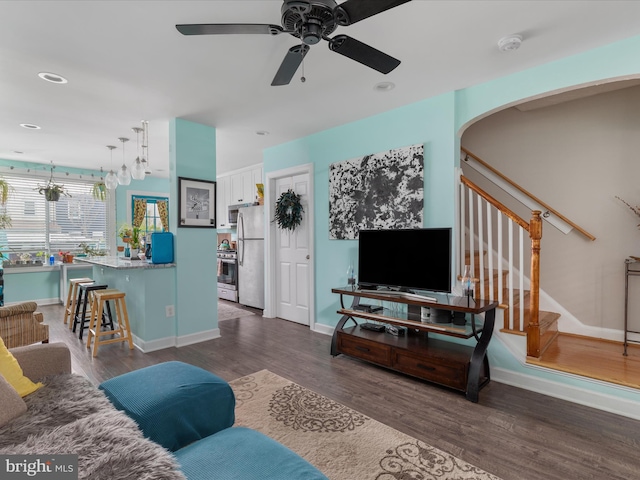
[251, 256]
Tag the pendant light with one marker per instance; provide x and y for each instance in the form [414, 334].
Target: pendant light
[145, 147]
[111, 180]
[137, 169]
[124, 177]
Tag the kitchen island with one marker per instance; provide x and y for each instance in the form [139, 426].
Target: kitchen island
[150, 296]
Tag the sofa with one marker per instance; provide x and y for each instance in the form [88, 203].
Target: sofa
[21, 325]
[168, 421]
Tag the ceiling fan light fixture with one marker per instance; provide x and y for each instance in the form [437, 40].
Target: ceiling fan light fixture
[509, 43]
[52, 77]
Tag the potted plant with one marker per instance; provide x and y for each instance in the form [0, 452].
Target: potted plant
[25, 258]
[52, 191]
[99, 191]
[66, 257]
[124, 232]
[135, 242]
[40, 256]
[5, 190]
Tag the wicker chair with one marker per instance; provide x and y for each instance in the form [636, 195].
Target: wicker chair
[21, 325]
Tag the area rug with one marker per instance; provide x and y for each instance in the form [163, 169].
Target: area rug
[343, 443]
[227, 312]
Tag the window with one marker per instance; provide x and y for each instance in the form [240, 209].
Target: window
[41, 226]
[152, 221]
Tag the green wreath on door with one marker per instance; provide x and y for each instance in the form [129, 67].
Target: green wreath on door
[289, 210]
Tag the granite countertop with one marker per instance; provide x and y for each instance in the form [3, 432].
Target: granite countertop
[121, 262]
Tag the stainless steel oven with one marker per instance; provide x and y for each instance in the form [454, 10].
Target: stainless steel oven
[228, 275]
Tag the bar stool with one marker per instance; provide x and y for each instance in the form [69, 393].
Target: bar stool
[85, 291]
[102, 297]
[72, 293]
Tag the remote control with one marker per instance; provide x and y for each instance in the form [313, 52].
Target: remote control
[375, 327]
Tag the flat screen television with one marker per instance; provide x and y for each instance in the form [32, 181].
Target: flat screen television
[408, 260]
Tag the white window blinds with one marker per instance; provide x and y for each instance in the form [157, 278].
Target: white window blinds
[38, 225]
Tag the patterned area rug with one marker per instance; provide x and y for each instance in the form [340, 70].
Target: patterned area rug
[343, 443]
[227, 312]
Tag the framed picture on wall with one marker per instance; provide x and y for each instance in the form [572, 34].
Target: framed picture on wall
[196, 203]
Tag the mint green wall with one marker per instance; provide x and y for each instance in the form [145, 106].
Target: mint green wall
[193, 155]
[430, 123]
[31, 286]
[148, 292]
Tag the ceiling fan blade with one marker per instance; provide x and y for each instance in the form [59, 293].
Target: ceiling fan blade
[290, 64]
[363, 53]
[352, 11]
[228, 29]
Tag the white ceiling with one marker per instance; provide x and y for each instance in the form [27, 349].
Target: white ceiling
[126, 62]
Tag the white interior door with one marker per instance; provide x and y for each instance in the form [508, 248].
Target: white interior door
[293, 257]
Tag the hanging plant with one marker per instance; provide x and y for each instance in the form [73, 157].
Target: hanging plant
[99, 191]
[52, 190]
[289, 210]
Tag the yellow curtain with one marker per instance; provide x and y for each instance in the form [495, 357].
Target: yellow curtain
[139, 211]
[164, 214]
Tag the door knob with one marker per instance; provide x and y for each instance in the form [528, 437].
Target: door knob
[308, 257]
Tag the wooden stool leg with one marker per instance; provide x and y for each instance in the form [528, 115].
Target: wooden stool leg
[126, 323]
[67, 307]
[90, 334]
[98, 321]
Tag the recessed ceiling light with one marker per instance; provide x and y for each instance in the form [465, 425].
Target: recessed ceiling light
[384, 86]
[18, 152]
[262, 133]
[509, 43]
[52, 77]
[30, 126]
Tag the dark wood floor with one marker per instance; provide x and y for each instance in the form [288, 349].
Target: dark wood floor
[512, 433]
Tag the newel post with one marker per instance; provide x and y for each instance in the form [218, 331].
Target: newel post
[533, 329]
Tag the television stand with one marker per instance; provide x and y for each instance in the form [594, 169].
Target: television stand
[461, 367]
[396, 293]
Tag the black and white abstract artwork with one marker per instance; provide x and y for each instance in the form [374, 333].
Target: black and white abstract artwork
[380, 191]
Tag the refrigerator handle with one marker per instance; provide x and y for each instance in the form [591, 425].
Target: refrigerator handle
[241, 238]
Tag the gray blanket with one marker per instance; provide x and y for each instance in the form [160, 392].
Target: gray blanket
[70, 416]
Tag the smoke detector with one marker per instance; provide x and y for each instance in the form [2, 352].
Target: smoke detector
[509, 43]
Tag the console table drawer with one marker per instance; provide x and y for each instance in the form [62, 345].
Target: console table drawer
[365, 349]
[453, 375]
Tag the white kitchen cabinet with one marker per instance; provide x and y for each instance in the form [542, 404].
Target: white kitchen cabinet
[222, 202]
[242, 185]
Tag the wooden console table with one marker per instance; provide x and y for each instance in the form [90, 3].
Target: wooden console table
[461, 367]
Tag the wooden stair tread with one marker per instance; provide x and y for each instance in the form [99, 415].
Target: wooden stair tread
[593, 358]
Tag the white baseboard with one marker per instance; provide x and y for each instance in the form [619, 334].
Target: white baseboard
[324, 328]
[582, 396]
[192, 338]
[153, 345]
[168, 342]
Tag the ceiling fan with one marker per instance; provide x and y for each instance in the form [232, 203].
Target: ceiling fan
[312, 21]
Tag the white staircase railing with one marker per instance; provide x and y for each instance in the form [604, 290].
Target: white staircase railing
[492, 243]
